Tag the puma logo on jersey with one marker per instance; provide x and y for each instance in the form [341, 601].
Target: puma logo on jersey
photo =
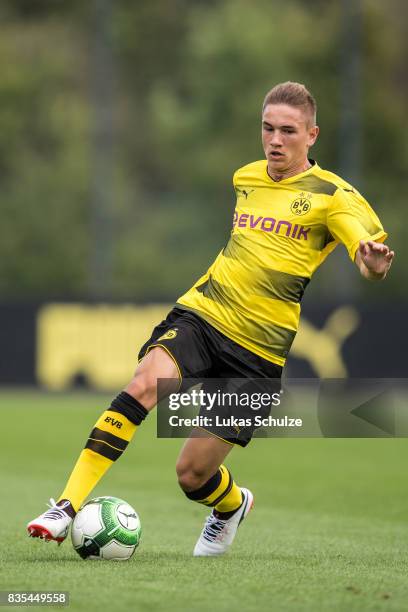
[244, 192]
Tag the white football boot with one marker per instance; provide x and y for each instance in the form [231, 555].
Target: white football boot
[218, 534]
[52, 524]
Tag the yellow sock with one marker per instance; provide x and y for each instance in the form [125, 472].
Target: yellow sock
[220, 491]
[107, 441]
[87, 472]
[231, 501]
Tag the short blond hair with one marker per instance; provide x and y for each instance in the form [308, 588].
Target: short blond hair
[292, 94]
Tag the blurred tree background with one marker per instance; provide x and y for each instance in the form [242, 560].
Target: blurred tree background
[122, 122]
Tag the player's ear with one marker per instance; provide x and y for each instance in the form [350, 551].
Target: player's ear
[313, 134]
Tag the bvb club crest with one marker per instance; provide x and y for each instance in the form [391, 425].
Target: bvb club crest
[301, 205]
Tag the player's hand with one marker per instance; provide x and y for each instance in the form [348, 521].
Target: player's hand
[376, 257]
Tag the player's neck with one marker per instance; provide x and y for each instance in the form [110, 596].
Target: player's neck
[296, 169]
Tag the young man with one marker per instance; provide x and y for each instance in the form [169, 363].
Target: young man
[239, 320]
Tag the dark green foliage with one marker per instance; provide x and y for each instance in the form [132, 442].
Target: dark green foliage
[188, 79]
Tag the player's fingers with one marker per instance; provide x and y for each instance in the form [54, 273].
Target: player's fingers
[370, 246]
[364, 248]
[378, 247]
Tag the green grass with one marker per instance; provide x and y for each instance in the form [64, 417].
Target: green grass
[329, 529]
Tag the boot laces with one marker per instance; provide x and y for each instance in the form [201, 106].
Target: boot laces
[215, 529]
[54, 513]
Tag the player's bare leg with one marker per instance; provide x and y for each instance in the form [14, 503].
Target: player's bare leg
[199, 459]
[108, 439]
[204, 479]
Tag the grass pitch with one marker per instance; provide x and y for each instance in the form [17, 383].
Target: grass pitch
[329, 529]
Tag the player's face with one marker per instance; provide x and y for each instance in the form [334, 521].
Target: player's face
[287, 134]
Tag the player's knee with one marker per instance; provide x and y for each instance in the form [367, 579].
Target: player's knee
[190, 477]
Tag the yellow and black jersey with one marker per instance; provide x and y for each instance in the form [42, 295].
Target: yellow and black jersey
[282, 231]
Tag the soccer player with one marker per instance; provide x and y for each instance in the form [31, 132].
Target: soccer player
[239, 319]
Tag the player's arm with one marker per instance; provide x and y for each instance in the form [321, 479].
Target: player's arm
[373, 259]
[352, 221]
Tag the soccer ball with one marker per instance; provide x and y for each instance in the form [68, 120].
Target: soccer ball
[106, 528]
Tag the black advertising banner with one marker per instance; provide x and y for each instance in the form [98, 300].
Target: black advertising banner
[60, 345]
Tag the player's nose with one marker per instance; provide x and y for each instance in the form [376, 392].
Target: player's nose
[276, 139]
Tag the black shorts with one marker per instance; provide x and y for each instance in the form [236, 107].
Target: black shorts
[200, 351]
